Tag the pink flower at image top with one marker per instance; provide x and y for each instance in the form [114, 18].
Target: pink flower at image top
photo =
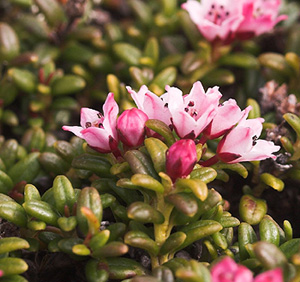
[191, 113]
[260, 16]
[220, 19]
[98, 130]
[215, 19]
[227, 270]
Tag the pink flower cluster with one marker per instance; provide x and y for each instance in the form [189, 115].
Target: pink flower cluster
[196, 116]
[228, 270]
[225, 20]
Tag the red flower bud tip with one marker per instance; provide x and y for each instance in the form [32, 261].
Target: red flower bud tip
[181, 159]
[131, 127]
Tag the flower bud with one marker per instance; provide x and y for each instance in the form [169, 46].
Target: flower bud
[181, 159]
[131, 127]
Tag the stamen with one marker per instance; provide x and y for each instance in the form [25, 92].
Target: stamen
[99, 115]
[186, 109]
[88, 124]
[191, 104]
[100, 125]
[166, 105]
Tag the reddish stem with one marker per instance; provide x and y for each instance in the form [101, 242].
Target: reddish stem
[213, 160]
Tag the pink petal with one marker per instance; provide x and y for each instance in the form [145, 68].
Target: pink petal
[97, 137]
[88, 115]
[110, 111]
[74, 129]
[261, 150]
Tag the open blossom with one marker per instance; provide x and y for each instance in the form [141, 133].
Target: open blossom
[131, 127]
[227, 270]
[98, 130]
[181, 158]
[260, 16]
[191, 113]
[218, 19]
[242, 144]
[152, 105]
[227, 116]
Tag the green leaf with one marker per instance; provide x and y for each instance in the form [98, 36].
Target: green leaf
[89, 198]
[141, 240]
[184, 203]
[9, 43]
[241, 60]
[10, 244]
[268, 231]
[25, 169]
[174, 241]
[157, 151]
[63, 193]
[162, 129]
[147, 182]
[272, 181]
[269, 255]
[11, 266]
[276, 62]
[252, 210]
[93, 273]
[13, 212]
[42, 211]
[144, 213]
[52, 10]
[124, 268]
[197, 186]
[68, 84]
[127, 53]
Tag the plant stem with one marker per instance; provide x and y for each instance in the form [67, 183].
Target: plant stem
[162, 231]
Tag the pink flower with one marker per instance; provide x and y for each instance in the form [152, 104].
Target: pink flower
[98, 130]
[227, 116]
[241, 143]
[218, 19]
[131, 127]
[260, 16]
[152, 105]
[274, 275]
[193, 112]
[228, 271]
[181, 159]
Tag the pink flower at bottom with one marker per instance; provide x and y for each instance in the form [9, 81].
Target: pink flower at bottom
[98, 130]
[227, 270]
[191, 113]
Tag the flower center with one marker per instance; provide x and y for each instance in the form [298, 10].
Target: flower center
[97, 122]
[191, 110]
[217, 14]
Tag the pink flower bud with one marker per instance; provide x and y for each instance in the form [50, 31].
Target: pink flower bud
[181, 159]
[227, 270]
[131, 127]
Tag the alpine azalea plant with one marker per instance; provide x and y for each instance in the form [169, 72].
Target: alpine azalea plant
[221, 20]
